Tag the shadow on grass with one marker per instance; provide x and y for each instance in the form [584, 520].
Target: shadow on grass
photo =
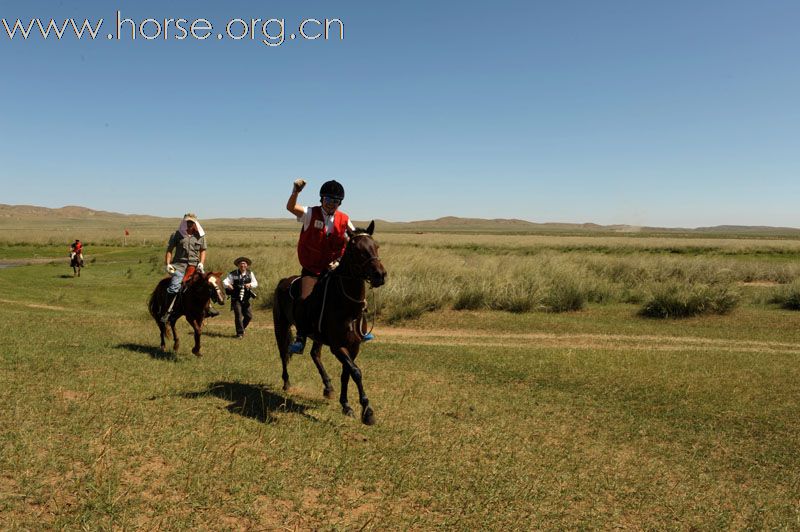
[65, 276]
[252, 401]
[151, 350]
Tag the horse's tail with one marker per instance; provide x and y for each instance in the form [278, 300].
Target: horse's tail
[156, 300]
[282, 314]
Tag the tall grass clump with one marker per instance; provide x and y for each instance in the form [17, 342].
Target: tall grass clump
[564, 296]
[787, 297]
[521, 294]
[681, 300]
[566, 286]
[414, 288]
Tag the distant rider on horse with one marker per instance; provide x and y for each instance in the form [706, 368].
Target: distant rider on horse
[322, 242]
[76, 250]
[189, 246]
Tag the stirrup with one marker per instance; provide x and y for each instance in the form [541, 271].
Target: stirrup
[367, 337]
[296, 347]
[167, 313]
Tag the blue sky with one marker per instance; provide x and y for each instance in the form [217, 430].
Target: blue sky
[640, 112]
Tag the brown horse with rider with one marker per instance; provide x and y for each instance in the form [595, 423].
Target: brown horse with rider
[333, 314]
[197, 291]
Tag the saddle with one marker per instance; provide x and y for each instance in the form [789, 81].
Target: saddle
[312, 307]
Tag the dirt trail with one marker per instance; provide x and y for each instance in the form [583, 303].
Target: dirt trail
[472, 338]
[619, 342]
[32, 305]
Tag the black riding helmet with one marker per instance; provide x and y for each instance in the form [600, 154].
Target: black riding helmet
[332, 189]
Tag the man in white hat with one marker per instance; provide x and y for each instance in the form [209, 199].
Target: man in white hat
[189, 246]
[240, 284]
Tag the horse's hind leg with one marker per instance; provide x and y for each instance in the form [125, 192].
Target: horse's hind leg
[282, 326]
[316, 356]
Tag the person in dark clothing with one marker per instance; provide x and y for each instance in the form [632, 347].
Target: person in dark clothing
[239, 284]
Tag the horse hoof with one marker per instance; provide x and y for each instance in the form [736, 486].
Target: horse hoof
[368, 416]
[346, 410]
[197, 353]
[327, 393]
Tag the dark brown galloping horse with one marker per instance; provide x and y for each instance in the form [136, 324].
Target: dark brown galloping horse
[337, 307]
[198, 290]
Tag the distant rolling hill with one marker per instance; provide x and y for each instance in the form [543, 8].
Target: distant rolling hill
[15, 214]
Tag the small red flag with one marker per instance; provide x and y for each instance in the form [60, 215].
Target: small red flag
[126, 232]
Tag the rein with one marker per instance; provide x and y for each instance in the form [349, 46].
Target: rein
[356, 327]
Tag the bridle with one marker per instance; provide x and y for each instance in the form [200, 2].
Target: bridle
[361, 266]
[214, 291]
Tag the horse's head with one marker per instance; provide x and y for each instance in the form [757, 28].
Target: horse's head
[361, 256]
[214, 283]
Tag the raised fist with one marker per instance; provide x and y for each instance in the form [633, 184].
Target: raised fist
[299, 184]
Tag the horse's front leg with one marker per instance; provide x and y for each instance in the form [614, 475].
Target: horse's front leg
[163, 330]
[316, 356]
[176, 343]
[349, 368]
[345, 379]
[197, 325]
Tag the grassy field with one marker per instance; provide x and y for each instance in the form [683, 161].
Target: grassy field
[487, 419]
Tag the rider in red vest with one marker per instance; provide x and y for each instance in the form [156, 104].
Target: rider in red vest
[322, 241]
[76, 248]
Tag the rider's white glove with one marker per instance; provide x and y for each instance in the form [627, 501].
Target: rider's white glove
[171, 269]
[200, 267]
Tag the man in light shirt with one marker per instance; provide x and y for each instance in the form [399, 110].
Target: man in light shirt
[240, 284]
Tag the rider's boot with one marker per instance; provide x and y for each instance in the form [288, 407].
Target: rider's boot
[299, 344]
[211, 312]
[366, 335]
[169, 303]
